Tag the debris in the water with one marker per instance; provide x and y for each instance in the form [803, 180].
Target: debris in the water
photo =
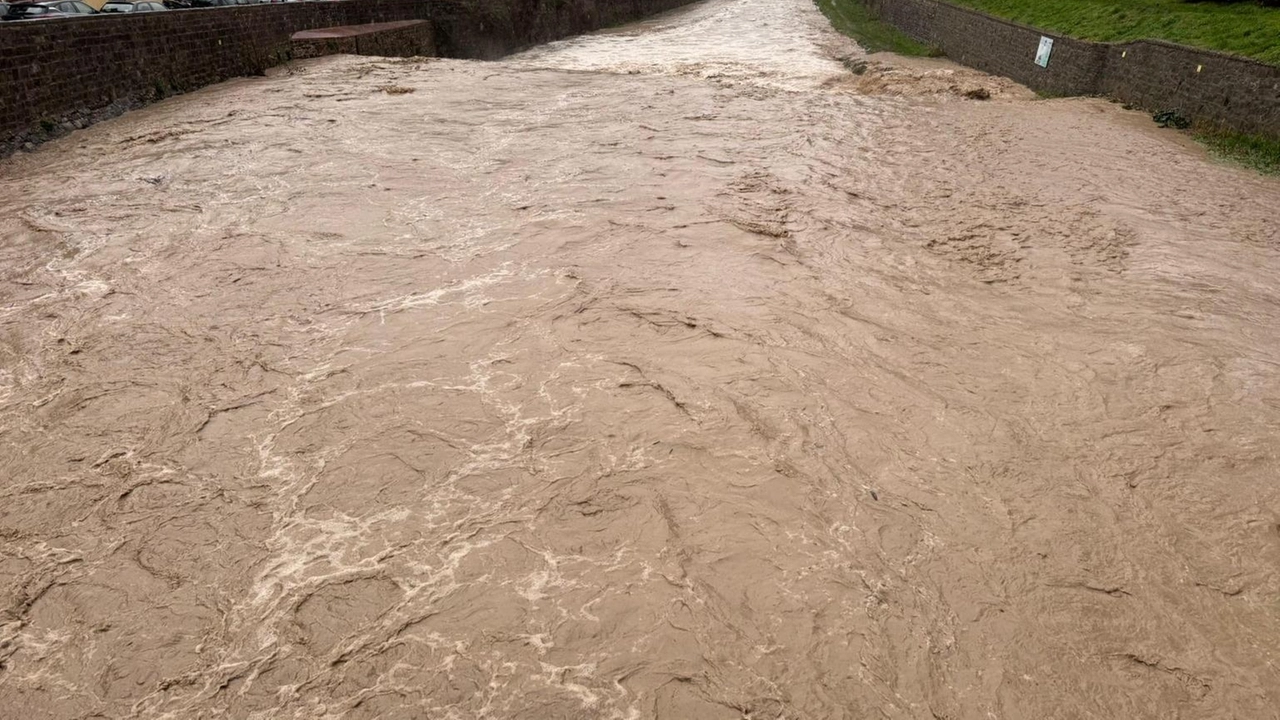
[855, 66]
[1172, 118]
[978, 94]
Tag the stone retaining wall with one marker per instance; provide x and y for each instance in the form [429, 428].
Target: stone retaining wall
[1209, 87]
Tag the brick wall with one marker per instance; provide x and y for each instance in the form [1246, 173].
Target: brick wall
[1227, 91]
[62, 74]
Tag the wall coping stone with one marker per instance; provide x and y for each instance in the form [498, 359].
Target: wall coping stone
[346, 31]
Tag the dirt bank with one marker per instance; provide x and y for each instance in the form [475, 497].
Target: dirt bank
[673, 372]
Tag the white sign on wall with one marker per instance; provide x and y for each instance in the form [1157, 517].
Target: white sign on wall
[1042, 55]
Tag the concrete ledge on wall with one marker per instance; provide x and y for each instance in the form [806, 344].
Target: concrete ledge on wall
[1209, 87]
[404, 38]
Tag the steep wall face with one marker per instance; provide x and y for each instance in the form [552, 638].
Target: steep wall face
[1221, 89]
[64, 74]
[1229, 91]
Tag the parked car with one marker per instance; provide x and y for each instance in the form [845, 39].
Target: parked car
[47, 10]
[132, 6]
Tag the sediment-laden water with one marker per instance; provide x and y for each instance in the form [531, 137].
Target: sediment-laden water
[672, 372]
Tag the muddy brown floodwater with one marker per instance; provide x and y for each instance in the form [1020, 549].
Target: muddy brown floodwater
[673, 372]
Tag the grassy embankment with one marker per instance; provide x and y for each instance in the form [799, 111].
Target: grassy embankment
[1260, 153]
[852, 18]
[1240, 28]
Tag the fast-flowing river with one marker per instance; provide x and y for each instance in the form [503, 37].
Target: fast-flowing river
[677, 371]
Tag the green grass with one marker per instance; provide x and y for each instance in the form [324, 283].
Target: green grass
[1242, 28]
[852, 18]
[1260, 153]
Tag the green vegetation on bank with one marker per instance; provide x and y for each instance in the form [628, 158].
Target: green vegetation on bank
[852, 18]
[1242, 28]
[1260, 153]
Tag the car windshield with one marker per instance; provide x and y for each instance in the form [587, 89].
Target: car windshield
[117, 7]
[28, 10]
